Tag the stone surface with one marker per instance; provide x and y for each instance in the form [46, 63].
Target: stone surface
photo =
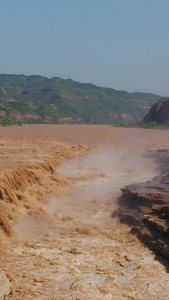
[5, 287]
[158, 112]
[145, 207]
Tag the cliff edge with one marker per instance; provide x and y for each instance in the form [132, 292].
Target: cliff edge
[159, 112]
[145, 207]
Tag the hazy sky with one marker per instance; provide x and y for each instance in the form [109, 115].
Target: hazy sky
[123, 44]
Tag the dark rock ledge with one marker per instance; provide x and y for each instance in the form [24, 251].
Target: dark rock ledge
[145, 207]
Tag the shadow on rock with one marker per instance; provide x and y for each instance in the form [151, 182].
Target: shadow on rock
[145, 207]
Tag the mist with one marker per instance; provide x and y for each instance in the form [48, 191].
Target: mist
[95, 181]
[63, 241]
[98, 177]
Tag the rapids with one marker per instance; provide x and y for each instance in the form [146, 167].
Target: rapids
[63, 242]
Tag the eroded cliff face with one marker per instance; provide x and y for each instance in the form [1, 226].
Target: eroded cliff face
[145, 207]
[158, 113]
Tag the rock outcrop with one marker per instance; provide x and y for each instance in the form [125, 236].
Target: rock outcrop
[159, 112]
[145, 207]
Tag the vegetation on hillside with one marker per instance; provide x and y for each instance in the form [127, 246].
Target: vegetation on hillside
[38, 99]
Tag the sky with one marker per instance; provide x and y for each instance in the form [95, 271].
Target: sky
[120, 44]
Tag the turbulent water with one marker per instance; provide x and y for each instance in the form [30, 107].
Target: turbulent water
[81, 252]
[68, 246]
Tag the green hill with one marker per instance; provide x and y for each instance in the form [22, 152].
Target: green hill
[38, 99]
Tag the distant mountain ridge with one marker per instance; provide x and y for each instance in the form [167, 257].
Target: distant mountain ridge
[38, 99]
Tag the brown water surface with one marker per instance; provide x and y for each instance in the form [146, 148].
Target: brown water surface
[63, 242]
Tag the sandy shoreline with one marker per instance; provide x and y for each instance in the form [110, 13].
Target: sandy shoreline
[58, 239]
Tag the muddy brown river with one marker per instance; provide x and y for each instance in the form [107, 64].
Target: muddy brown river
[63, 242]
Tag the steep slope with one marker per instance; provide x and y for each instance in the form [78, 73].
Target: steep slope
[37, 99]
[159, 112]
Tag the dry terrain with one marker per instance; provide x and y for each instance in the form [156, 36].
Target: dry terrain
[58, 190]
